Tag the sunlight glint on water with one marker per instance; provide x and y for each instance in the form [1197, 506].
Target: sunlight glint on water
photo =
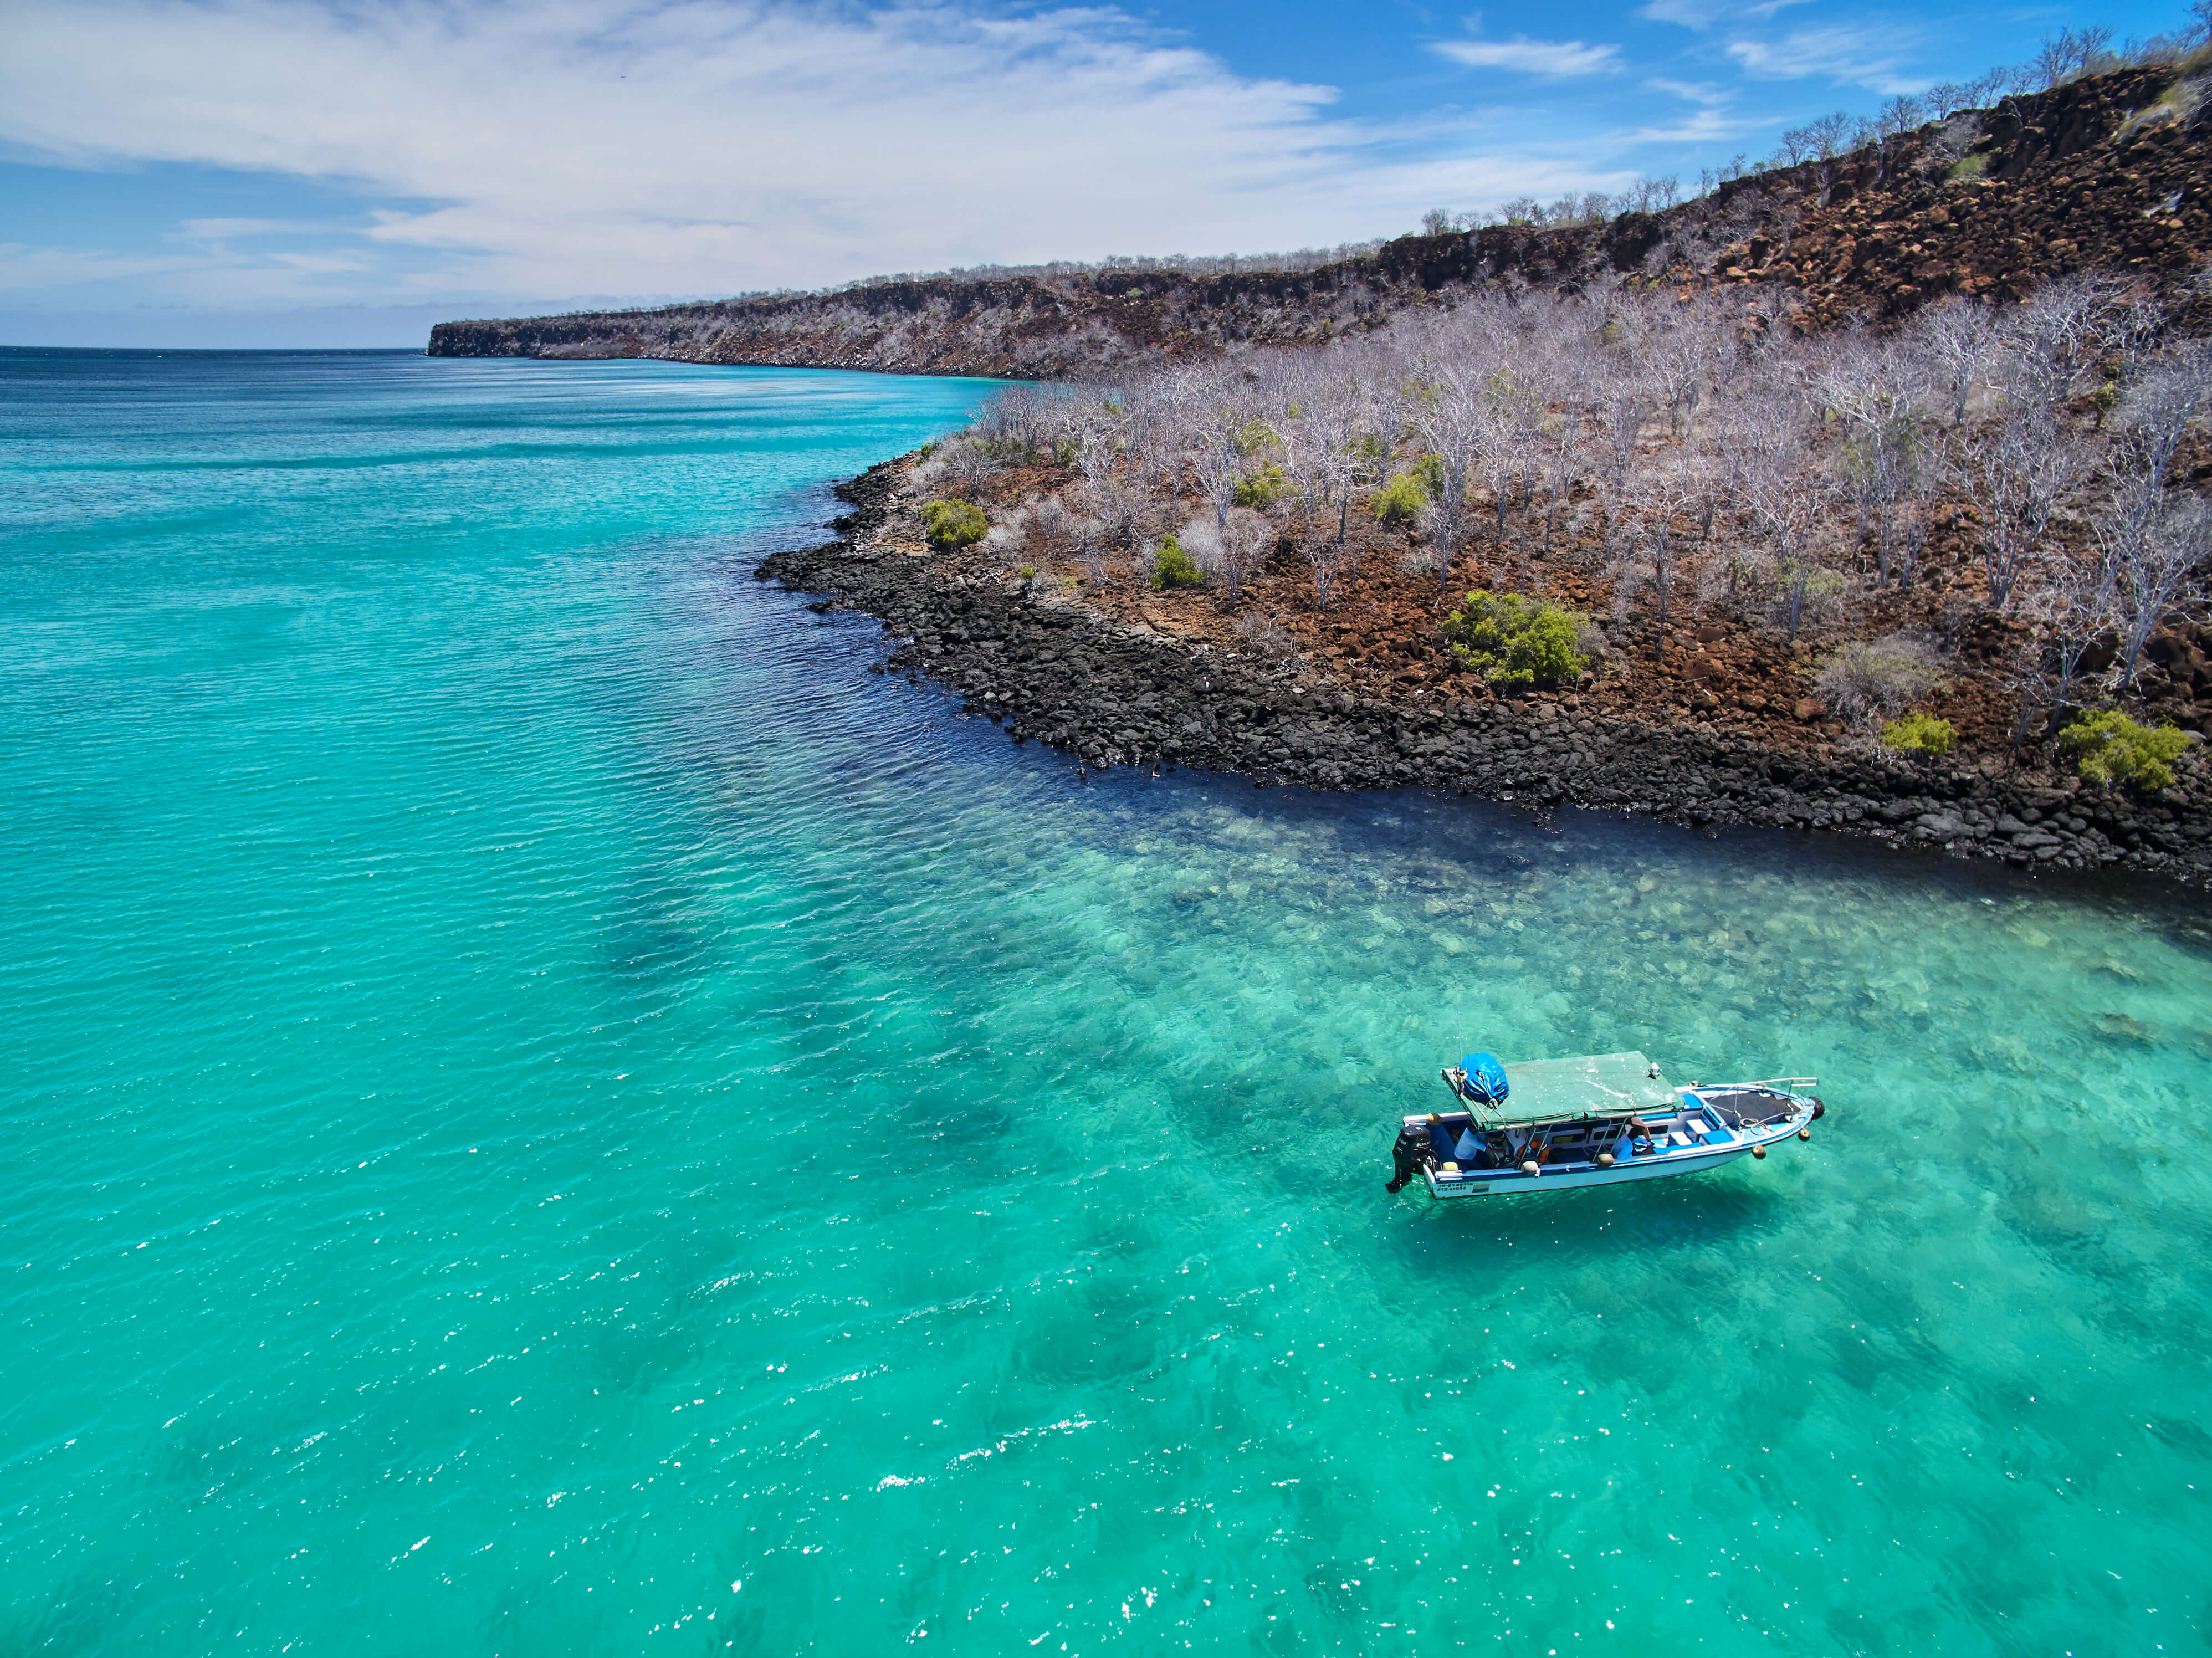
[548, 1110]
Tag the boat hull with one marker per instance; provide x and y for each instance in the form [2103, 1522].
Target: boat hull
[1511, 1182]
[1737, 1120]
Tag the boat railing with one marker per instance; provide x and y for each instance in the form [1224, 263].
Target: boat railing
[1770, 1082]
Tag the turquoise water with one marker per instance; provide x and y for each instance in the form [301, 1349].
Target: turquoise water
[548, 1110]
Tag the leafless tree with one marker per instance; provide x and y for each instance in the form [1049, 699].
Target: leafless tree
[1296, 392]
[2156, 413]
[2130, 327]
[1788, 491]
[1348, 453]
[2070, 53]
[1448, 408]
[1865, 385]
[1015, 420]
[2154, 571]
[1679, 349]
[1219, 457]
[971, 463]
[1561, 437]
[1662, 501]
[1231, 551]
[1147, 416]
[1050, 528]
[1792, 459]
[1912, 513]
[1330, 559]
[2016, 476]
[1624, 402]
[2075, 611]
[1502, 428]
[1957, 341]
[1095, 546]
[2051, 338]
[1117, 506]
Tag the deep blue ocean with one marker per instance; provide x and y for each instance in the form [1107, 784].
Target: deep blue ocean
[547, 1110]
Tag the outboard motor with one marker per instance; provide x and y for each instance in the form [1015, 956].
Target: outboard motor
[1412, 1153]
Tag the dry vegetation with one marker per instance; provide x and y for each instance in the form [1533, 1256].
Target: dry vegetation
[1990, 516]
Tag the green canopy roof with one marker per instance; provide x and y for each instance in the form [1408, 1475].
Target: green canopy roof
[1595, 1085]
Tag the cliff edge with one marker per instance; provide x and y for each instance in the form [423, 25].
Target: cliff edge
[2107, 172]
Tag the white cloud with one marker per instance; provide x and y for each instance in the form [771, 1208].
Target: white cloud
[1695, 92]
[1690, 14]
[1702, 14]
[24, 267]
[683, 147]
[1869, 57]
[1555, 58]
[223, 230]
[1709, 122]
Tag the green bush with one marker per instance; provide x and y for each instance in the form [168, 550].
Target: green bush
[1254, 436]
[2111, 749]
[1516, 643]
[1920, 733]
[1262, 489]
[1174, 567]
[1399, 502]
[954, 524]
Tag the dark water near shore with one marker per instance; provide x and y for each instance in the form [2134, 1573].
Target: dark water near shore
[548, 1110]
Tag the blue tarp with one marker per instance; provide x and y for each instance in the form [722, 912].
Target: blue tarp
[1486, 1083]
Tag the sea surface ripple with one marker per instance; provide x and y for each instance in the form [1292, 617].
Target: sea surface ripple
[548, 1109]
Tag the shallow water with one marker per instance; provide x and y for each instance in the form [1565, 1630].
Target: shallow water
[550, 1110]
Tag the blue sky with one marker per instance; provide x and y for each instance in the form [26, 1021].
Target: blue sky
[197, 173]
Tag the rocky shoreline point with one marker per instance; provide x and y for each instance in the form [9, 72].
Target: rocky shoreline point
[1114, 692]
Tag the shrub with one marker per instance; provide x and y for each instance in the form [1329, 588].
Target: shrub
[1263, 488]
[954, 524]
[1878, 677]
[1174, 567]
[2111, 749]
[1254, 436]
[1919, 734]
[1267, 636]
[1516, 643]
[1399, 502]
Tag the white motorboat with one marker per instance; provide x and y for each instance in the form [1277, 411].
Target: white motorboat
[1600, 1119]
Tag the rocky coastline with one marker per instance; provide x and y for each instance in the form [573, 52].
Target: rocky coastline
[1989, 202]
[1113, 692]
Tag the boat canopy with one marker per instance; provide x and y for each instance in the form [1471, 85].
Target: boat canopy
[1595, 1085]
